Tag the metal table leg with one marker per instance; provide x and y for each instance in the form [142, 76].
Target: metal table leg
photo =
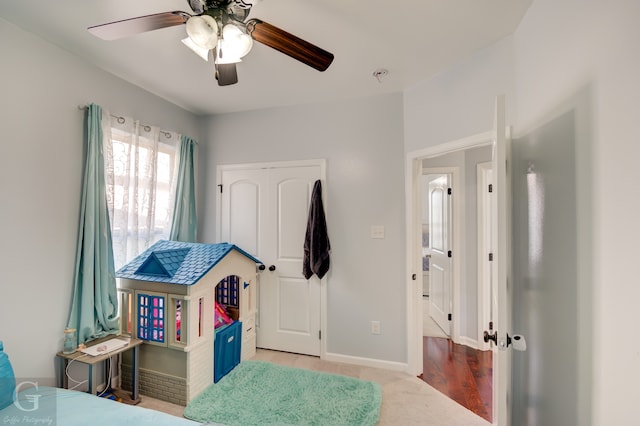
[134, 374]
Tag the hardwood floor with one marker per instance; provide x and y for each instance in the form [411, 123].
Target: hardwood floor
[462, 373]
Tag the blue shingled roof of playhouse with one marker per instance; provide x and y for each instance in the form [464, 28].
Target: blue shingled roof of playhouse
[175, 262]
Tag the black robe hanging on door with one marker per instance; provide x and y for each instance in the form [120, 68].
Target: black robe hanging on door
[316, 241]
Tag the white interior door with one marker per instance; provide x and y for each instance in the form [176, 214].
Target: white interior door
[500, 272]
[440, 244]
[264, 211]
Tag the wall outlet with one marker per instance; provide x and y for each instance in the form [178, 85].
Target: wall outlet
[375, 327]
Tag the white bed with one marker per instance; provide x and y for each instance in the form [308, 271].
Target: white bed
[43, 405]
[52, 406]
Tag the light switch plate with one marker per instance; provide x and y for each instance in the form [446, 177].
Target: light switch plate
[377, 231]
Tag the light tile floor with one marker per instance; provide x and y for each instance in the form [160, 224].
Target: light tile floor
[406, 400]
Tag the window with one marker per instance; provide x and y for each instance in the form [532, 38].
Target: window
[227, 291]
[178, 308]
[151, 317]
[141, 164]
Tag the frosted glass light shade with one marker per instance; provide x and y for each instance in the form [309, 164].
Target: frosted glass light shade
[235, 42]
[203, 30]
[200, 51]
[224, 55]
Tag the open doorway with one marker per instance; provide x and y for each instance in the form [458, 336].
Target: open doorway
[453, 231]
[453, 216]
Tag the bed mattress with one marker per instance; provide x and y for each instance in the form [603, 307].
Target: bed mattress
[45, 405]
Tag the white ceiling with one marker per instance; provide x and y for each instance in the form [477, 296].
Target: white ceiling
[412, 40]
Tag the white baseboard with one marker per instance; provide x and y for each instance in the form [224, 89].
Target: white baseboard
[468, 341]
[366, 362]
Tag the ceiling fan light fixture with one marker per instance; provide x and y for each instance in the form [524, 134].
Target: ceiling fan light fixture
[235, 41]
[224, 55]
[246, 4]
[203, 31]
[222, 26]
[202, 52]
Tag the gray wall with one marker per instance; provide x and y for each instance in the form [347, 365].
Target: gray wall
[459, 102]
[362, 143]
[41, 160]
[577, 61]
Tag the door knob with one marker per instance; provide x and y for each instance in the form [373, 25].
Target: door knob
[261, 267]
[272, 268]
[493, 337]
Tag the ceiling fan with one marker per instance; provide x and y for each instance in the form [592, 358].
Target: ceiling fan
[221, 27]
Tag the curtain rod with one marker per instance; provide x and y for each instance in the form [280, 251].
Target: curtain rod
[121, 120]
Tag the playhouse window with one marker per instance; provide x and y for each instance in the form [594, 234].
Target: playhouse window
[151, 317]
[177, 327]
[178, 320]
[126, 311]
[227, 291]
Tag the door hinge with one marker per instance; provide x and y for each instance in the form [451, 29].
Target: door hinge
[490, 325]
[490, 187]
[449, 317]
[449, 191]
[319, 334]
[414, 277]
[220, 186]
[490, 257]
[449, 253]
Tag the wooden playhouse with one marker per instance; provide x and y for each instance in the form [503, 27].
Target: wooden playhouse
[167, 299]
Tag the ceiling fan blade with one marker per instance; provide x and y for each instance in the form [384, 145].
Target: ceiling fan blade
[289, 44]
[141, 24]
[226, 74]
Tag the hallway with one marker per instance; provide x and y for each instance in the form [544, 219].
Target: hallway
[462, 373]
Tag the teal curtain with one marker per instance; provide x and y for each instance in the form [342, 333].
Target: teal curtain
[184, 226]
[94, 308]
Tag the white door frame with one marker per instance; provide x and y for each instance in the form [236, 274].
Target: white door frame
[322, 163]
[413, 249]
[484, 178]
[457, 241]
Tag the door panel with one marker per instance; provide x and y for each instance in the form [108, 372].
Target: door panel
[440, 263]
[293, 317]
[240, 209]
[292, 211]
